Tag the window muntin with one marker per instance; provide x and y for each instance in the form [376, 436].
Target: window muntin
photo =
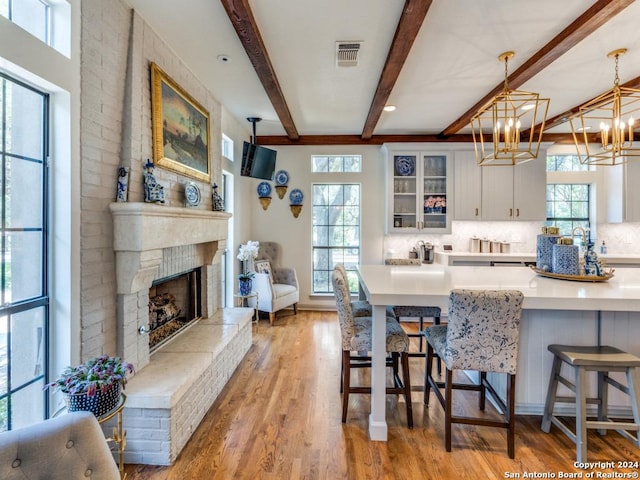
[336, 233]
[568, 207]
[24, 302]
[336, 163]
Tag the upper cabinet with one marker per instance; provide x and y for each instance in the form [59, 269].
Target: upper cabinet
[632, 192]
[500, 192]
[419, 185]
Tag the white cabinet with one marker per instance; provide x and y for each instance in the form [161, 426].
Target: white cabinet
[468, 186]
[499, 192]
[632, 192]
[515, 193]
[419, 187]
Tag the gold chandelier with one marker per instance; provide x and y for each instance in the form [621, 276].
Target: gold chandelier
[612, 117]
[508, 129]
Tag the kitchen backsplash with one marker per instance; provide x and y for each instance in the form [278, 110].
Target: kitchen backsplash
[619, 237]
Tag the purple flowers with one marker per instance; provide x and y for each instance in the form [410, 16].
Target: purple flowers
[93, 375]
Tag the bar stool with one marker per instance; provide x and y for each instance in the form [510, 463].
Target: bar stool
[603, 359]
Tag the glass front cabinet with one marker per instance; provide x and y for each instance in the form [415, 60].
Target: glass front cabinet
[419, 191]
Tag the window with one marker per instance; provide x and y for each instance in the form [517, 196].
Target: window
[565, 163]
[32, 15]
[336, 163]
[568, 207]
[336, 233]
[227, 147]
[24, 301]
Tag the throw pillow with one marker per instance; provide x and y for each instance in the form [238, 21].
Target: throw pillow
[264, 266]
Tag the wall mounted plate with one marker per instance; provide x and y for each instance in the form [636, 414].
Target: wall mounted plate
[192, 194]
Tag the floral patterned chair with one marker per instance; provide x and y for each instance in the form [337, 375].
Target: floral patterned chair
[356, 336]
[360, 308]
[481, 335]
[277, 286]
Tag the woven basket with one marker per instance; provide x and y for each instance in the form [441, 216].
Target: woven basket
[99, 404]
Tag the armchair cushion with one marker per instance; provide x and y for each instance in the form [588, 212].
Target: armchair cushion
[264, 266]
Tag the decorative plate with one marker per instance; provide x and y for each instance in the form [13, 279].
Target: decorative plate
[192, 194]
[282, 177]
[264, 189]
[406, 165]
[296, 196]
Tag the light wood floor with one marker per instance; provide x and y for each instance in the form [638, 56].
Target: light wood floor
[279, 418]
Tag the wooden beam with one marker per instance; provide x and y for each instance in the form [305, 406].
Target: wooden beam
[593, 18]
[564, 116]
[411, 20]
[305, 140]
[243, 21]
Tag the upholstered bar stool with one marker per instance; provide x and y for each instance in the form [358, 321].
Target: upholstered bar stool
[603, 360]
[419, 312]
[360, 308]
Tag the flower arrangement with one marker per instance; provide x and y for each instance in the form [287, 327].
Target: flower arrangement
[92, 376]
[248, 251]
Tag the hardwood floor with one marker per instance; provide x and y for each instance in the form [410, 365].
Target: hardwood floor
[279, 418]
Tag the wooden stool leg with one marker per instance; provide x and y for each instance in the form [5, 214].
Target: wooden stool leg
[581, 414]
[346, 362]
[404, 357]
[510, 413]
[483, 391]
[427, 373]
[633, 381]
[447, 409]
[551, 394]
[603, 400]
[436, 321]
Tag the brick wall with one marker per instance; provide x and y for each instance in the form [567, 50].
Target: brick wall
[117, 47]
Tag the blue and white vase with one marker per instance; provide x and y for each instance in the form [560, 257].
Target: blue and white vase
[544, 251]
[566, 259]
[244, 286]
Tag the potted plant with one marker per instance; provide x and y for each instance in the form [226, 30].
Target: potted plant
[247, 253]
[95, 385]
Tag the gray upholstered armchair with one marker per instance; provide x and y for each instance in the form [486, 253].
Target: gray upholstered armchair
[71, 446]
[277, 286]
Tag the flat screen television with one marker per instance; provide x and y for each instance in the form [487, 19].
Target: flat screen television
[257, 161]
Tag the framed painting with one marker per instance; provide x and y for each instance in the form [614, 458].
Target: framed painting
[180, 128]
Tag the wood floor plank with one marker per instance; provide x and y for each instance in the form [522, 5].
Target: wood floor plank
[279, 417]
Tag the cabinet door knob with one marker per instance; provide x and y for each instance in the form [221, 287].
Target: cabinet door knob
[511, 212]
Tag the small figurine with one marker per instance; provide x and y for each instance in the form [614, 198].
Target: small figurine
[153, 191]
[123, 184]
[592, 265]
[218, 203]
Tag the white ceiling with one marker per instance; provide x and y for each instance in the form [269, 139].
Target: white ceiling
[452, 64]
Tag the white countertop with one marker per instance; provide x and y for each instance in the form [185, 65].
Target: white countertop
[446, 258]
[431, 284]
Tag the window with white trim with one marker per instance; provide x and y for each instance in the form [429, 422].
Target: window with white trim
[336, 163]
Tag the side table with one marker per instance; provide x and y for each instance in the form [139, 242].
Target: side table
[243, 300]
[119, 435]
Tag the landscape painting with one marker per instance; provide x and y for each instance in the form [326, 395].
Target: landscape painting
[180, 128]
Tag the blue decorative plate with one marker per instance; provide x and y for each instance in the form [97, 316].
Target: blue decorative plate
[296, 196]
[405, 165]
[264, 189]
[282, 177]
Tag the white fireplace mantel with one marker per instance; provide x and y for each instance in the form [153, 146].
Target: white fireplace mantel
[142, 230]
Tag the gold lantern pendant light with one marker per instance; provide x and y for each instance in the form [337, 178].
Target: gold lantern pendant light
[508, 129]
[611, 118]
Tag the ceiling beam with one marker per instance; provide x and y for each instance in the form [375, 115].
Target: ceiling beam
[593, 18]
[411, 20]
[305, 140]
[246, 27]
[564, 116]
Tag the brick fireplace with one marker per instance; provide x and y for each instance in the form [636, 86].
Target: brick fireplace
[174, 386]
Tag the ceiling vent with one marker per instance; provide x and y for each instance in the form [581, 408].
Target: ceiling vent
[347, 53]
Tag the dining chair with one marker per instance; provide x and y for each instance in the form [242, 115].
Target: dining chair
[481, 335]
[361, 307]
[356, 335]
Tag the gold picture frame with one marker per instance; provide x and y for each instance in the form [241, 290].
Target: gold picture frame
[181, 140]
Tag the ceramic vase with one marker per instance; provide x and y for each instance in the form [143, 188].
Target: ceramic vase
[245, 285]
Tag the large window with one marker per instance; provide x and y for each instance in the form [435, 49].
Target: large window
[32, 15]
[336, 233]
[24, 301]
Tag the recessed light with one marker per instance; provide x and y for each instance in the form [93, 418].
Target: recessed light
[528, 106]
[224, 58]
[583, 129]
[389, 108]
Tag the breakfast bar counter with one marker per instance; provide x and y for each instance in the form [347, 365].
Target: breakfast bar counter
[555, 311]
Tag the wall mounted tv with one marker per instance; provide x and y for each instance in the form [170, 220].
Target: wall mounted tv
[257, 161]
